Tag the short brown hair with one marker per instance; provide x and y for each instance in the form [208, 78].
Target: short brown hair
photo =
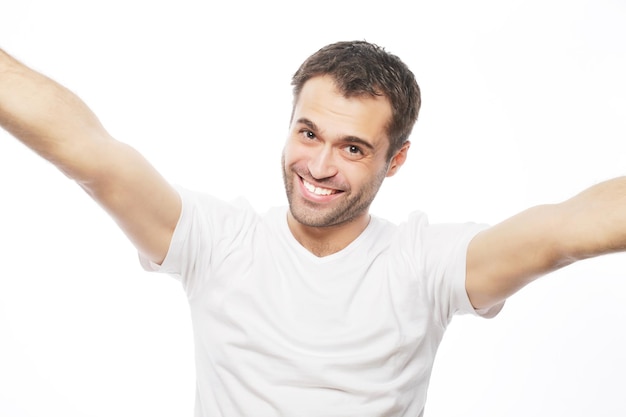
[363, 68]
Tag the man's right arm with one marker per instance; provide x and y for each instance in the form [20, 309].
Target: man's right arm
[58, 126]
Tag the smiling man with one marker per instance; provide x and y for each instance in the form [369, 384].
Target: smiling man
[334, 162]
[319, 308]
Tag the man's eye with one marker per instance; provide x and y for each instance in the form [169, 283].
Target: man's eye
[354, 150]
[308, 134]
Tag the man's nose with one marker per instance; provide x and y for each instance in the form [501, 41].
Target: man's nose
[322, 163]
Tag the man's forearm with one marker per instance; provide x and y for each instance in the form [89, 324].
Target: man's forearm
[506, 257]
[594, 221]
[44, 115]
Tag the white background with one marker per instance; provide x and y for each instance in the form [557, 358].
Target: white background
[524, 103]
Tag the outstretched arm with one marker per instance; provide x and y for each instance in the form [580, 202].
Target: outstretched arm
[504, 258]
[58, 126]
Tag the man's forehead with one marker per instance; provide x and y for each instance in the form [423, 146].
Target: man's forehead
[323, 88]
[324, 109]
[330, 81]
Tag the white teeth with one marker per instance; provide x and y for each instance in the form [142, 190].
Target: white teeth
[317, 190]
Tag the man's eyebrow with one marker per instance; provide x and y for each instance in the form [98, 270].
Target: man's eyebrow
[350, 139]
[358, 140]
[308, 123]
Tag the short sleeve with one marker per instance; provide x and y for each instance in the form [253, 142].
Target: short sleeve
[183, 248]
[205, 231]
[442, 255]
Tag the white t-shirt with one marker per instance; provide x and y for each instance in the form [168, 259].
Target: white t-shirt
[281, 332]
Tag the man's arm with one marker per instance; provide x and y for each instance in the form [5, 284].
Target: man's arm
[58, 126]
[504, 258]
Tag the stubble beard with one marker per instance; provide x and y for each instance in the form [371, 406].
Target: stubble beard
[349, 208]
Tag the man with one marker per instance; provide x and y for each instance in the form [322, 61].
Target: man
[319, 308]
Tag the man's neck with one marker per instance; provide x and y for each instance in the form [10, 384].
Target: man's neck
[324, 241]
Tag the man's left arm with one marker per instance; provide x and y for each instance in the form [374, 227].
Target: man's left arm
[509, 255]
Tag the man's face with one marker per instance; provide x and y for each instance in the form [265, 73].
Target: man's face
[334, 160]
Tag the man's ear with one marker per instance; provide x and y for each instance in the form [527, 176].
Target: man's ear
[398, 159]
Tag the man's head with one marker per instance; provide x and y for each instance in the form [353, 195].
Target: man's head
[359, 68]
[354, 108]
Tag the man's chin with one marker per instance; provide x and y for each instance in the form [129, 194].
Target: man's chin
[318, 217]
[311, 217]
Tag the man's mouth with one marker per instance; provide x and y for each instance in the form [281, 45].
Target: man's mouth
[318, 190]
